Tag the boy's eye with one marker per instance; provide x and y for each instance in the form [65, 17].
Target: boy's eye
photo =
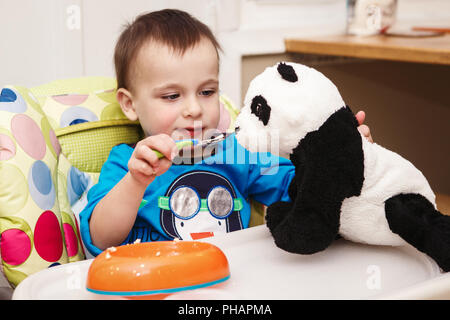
[207, 93]
[171, 96]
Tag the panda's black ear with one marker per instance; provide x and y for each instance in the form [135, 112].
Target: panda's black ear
[287, 72]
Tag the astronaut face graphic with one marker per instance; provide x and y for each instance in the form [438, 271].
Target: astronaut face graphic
[200, 204]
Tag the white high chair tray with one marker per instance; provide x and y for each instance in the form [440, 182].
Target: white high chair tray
[260, 270]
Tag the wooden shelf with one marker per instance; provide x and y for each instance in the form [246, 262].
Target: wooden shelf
[433, 50]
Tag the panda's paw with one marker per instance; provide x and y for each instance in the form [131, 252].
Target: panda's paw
[276, 212]
[297, 236]
[415, 219]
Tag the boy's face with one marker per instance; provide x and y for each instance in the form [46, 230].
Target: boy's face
[172, 93]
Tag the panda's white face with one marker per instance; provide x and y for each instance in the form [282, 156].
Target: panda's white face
[282, 105]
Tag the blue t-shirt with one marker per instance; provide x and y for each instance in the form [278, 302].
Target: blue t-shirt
[191, 201]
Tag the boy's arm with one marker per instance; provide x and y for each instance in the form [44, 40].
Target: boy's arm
[115, 213]
[113, 170]
[269, 182]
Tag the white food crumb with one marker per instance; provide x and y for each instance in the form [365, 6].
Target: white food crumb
[137, 241]
[108, 255]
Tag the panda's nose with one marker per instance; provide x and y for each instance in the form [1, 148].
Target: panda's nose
[236, 130]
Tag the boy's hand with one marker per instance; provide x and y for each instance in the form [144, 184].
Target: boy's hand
[365, 131]
[144, 164]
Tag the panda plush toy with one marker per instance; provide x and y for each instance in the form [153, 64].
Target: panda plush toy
[343, 185]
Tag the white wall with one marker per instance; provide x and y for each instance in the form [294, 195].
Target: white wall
[44, 40]
[36, 46]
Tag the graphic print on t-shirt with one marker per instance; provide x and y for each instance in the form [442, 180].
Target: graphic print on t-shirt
[200, 204]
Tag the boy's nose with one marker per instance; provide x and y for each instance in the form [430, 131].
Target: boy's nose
[192, 109]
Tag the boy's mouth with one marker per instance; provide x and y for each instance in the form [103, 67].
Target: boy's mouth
[194, 132]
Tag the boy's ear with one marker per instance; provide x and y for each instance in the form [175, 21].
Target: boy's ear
[125, 99]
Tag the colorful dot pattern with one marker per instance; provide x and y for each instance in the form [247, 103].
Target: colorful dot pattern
[35, 233]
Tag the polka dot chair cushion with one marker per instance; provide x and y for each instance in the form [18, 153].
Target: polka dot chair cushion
[35, 232]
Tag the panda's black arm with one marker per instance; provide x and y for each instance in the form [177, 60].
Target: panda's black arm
[329, 166]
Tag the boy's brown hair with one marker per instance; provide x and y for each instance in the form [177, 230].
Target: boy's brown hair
[174, 28]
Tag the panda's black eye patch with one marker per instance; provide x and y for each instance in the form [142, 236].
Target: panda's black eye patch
[287, 72]
[261, 109]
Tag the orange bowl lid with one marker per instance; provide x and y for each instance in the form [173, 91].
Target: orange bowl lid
[156, 268]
